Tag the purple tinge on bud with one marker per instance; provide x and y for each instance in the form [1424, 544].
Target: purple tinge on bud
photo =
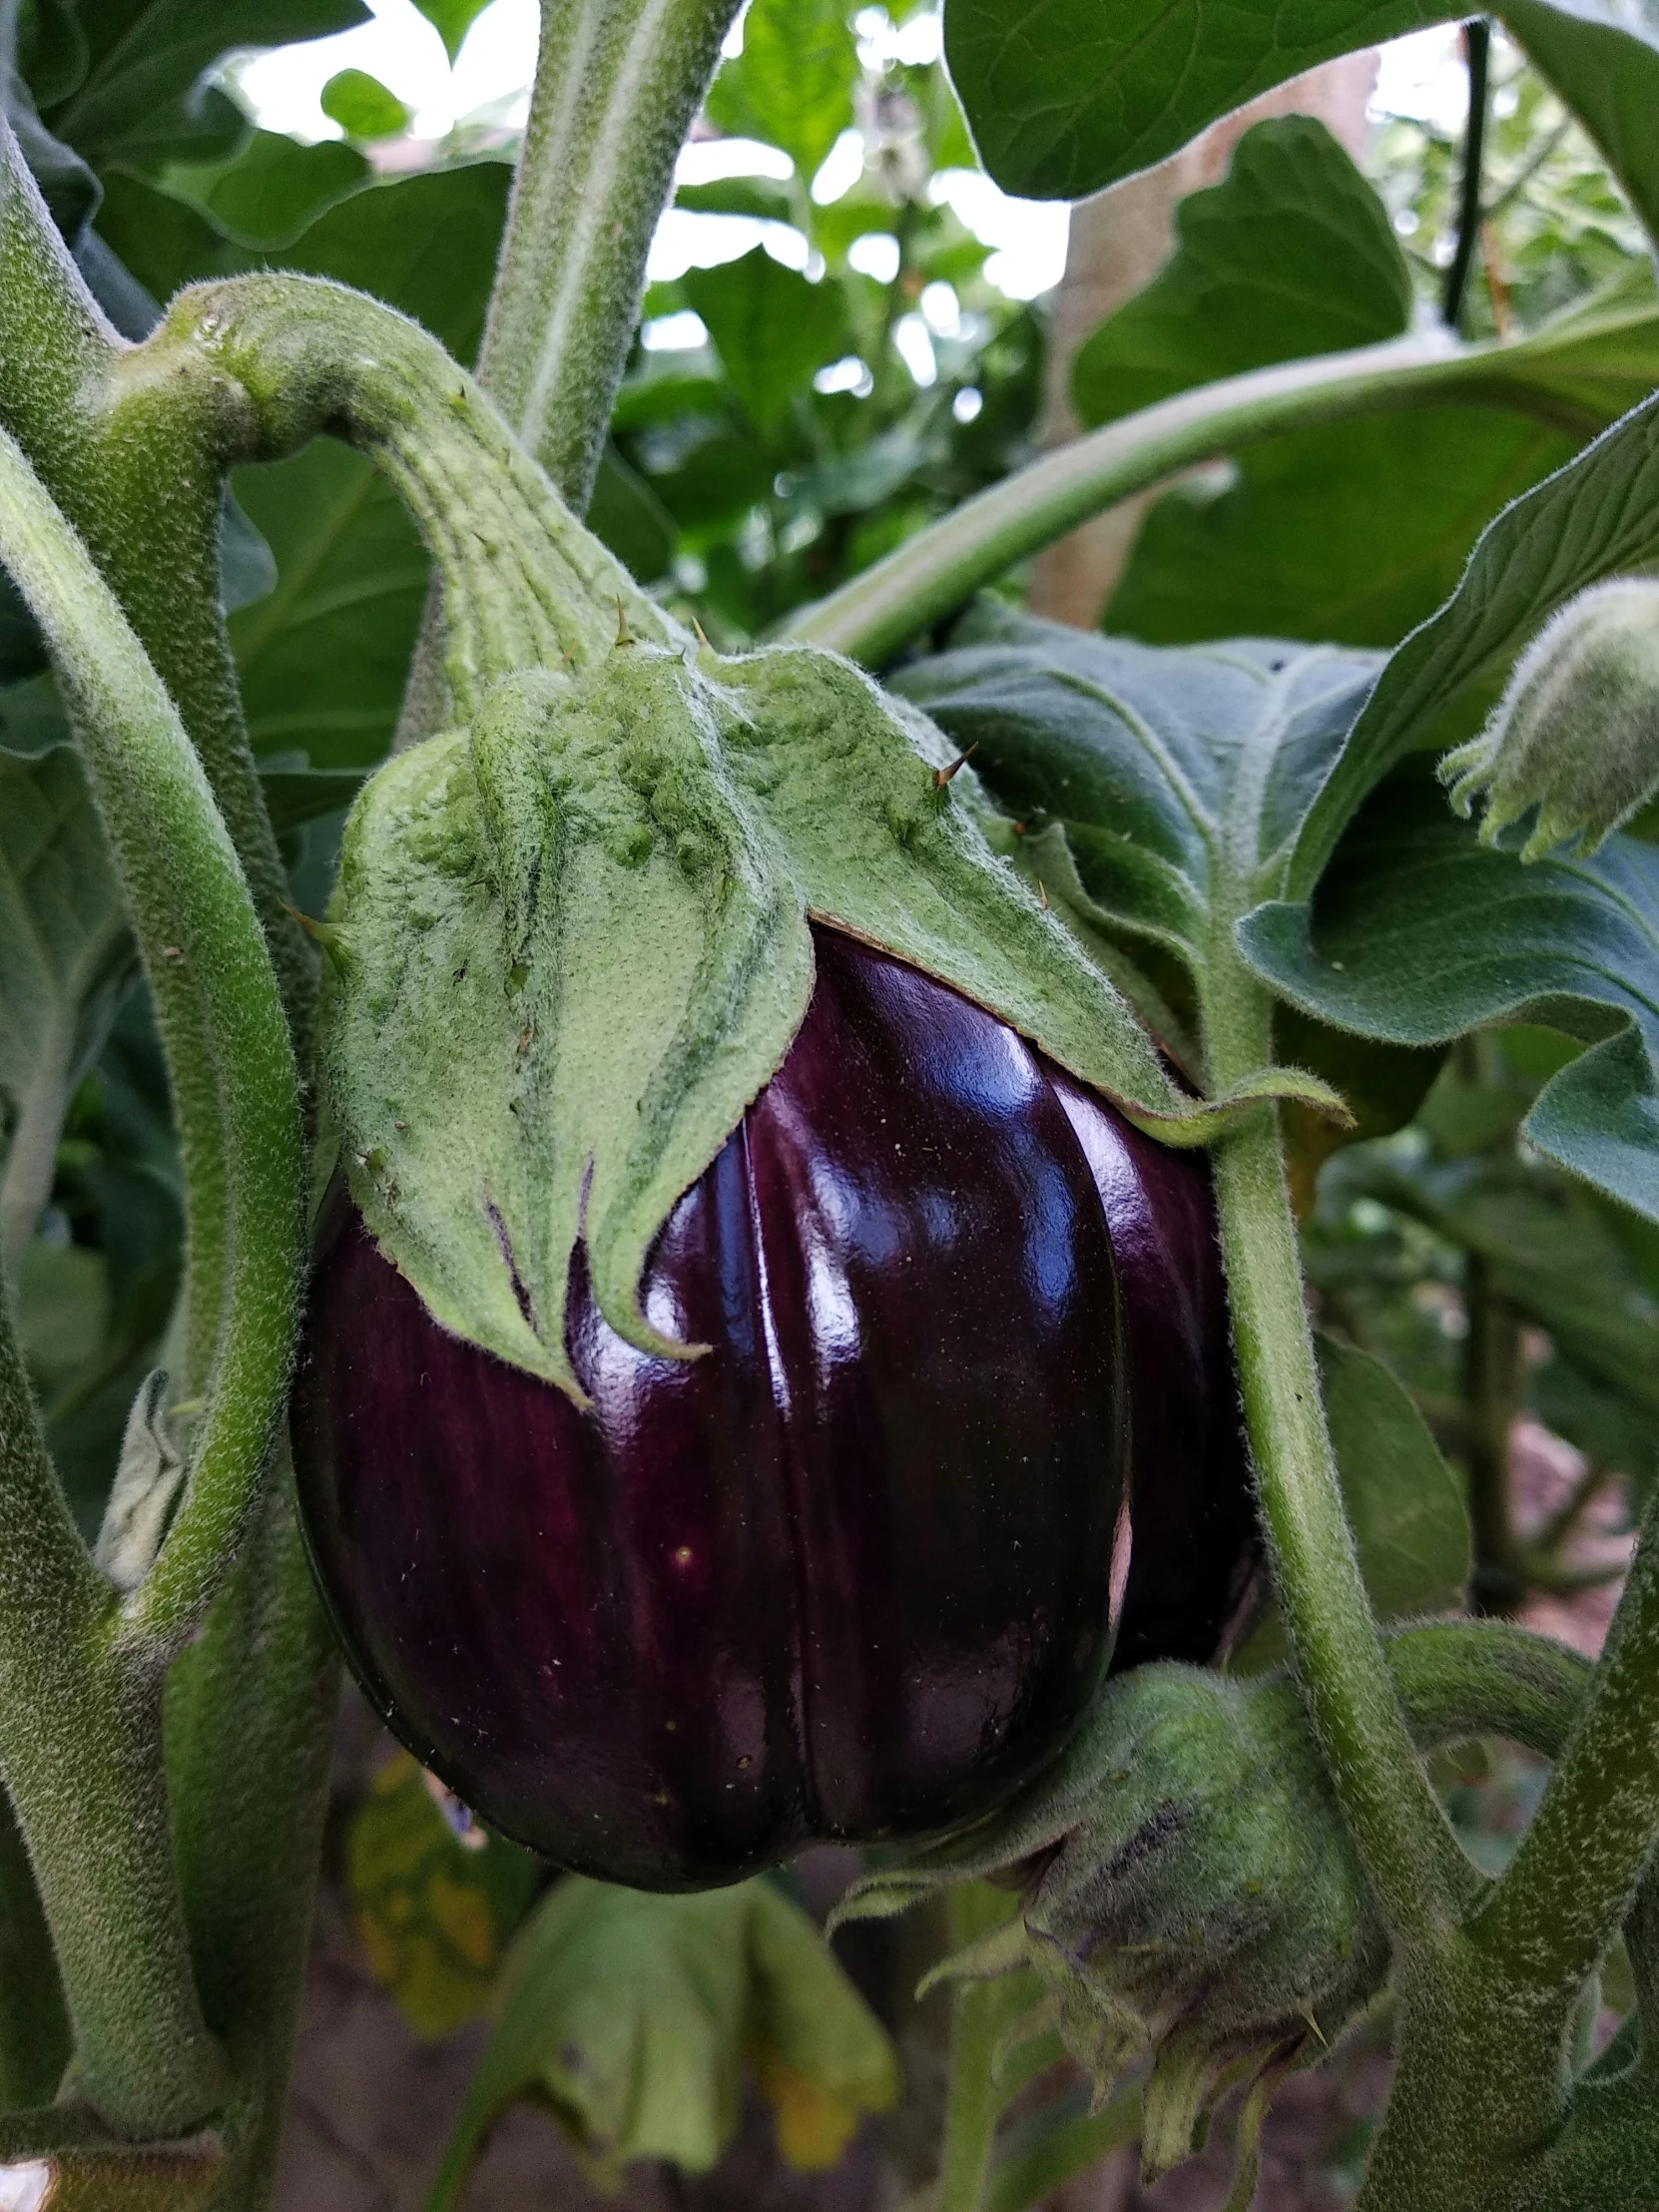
[851, 1573]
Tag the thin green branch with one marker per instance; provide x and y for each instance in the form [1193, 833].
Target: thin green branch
[933, 573]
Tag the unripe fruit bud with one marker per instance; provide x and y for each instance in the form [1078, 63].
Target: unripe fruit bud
[1187, 1884]
[1576, 733]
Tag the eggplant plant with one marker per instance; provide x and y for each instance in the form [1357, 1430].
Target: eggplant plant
[751, 1253]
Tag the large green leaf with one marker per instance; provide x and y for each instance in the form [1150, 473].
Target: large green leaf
[771, 328]
[792, 82]
[65, 956]
[1419, 933]
[144, 56]
[1354, 533]
[1065, 95]
[273, 189]
[629, 2016]
[1602, 57]
[1597, 516]
[1291, 254]
[1129, 766]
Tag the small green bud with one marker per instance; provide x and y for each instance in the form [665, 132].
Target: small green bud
[1576, 733]
[1187, 1886]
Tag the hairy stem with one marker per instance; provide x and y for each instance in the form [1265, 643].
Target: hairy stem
[140, 485]
[1419, 1872]
[933, 573]
[81, 1750]
[617, 82]
[1571, 1884]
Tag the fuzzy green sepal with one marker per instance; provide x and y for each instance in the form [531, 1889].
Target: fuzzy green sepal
[572, 946]
[1187, 1887]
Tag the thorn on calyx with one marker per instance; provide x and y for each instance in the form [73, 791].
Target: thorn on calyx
[624, 636]
[329, 934]
[701, 635]
[942, 776]
[1042, 895]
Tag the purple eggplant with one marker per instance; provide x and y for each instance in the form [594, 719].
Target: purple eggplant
[854, 1572]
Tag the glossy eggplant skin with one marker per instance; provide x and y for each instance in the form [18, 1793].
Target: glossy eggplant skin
[853, 1573]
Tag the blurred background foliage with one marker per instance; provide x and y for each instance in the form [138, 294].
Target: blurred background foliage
[841, 356]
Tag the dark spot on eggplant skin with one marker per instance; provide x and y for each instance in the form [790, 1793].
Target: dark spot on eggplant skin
[788, 1590]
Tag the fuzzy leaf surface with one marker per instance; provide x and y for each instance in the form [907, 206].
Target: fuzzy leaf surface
[1421, 933]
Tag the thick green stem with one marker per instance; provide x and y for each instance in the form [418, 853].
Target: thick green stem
[250, 1714]
[285, 357]
[81, 1745]
[980, 2011]
[34, 2023]
[1420, 1876]
[617, 82]
[933, 573]
[1571, 1884]
[144, 491]
[81, 1749]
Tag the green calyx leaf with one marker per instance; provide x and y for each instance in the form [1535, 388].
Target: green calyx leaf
[1189, 1889]
[573, 945]
[1575, 737]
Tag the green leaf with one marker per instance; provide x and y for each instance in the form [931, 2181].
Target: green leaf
[324, 656]
[792, 82]
[1554, 1255]
[630, 2017]
[1291, 254]
[1420, 934]
[1403, 1503]
[144, 57]
[771, 328]
[1355, 533]
[1403, 1499]
[273, 189]
[295, 796]
[65, 956]
[1603, 59]
[362, 105]
[1122, 764]
[434, 1908]
[1595, 517]
[627, 514]
[1066, 97]
[452, 20]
